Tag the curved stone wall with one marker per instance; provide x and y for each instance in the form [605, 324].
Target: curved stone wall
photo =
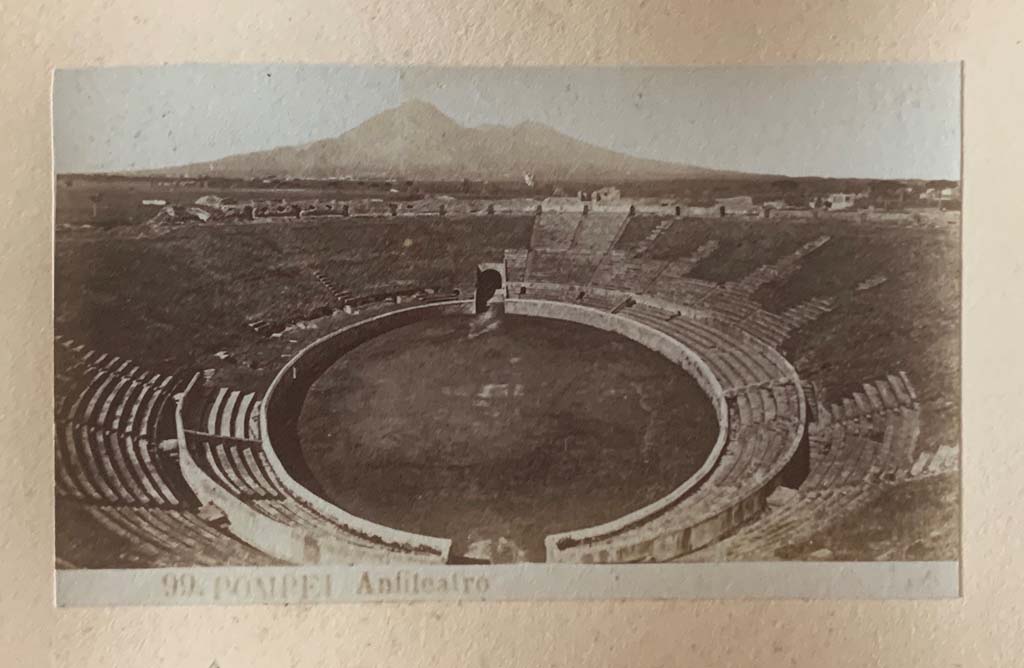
[674, 350]
[282, 405]
[635, 537]
[326, 535]
[626, 538]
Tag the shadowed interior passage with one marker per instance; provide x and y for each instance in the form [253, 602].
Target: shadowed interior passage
[495, 431]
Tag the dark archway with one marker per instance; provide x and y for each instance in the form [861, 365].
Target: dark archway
[488, 282]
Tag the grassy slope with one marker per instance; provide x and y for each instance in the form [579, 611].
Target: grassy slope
[173, 298]
[916, 521]
[910, 322]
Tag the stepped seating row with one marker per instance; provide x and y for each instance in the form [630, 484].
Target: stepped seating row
[385, 292]
[647, 242]
[763, 404]
[227, 445]
[794, 519]
[597, 232]
[75, 364]
[337, 293]
[797, 519]
[242, 469]
[111, 475]
[550, 292]
[109, 392]
[515, 265]
[100, 465]
[110, 472]
[567, 267]
[133, 404]
[728, 304]
[681, 267]
[783, 525]
[239, 465]
[231, 413]
[869, 438]
[892, 393]
[734, 362]
[108, 414]
[945, 459]
[704, 251]
[599, 299]
[733, 308]
[754, 454]
[767, 326]
[679, 289]
[854, 455]
[778, 270]
[619, 272]
[74, 358]
[808, 311]
[871, 282]
[161, 537]
[554, 231]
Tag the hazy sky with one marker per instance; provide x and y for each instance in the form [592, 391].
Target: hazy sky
[884, 121]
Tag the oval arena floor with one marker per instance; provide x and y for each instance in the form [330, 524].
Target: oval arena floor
[497, 431]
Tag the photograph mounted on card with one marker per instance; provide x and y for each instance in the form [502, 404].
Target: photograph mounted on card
[342, 333]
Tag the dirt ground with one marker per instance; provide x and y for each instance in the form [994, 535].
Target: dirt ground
[504, 429]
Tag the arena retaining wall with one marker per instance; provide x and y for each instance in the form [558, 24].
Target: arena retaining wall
[302, 544]
[628, 538]
[282, 405]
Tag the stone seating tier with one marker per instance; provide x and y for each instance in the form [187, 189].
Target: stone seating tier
[857, 449]
[170, 537]
[598, 231]
[554, 230]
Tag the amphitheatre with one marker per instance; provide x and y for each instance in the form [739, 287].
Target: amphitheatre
[786, 388]
[252, 370]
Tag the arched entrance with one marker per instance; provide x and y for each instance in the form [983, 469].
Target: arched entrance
[489, 281]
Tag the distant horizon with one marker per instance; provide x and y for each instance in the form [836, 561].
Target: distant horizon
[863, 122]
[158, 173]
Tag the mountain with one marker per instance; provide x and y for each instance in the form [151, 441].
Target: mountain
[417, 141]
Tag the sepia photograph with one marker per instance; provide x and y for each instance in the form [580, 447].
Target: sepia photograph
[331, 333]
